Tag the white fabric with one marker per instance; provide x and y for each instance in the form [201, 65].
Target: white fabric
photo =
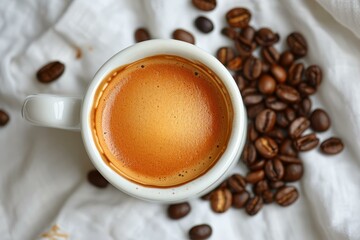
[43, 185]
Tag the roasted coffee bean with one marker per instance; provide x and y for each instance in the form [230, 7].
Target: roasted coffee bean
[267, 84]
[234, 64]
[305, 89]
[281, 120]
[298, 126]
[229, 32]
[278, 134]
[252, 133]
[265, 67]
[200, 232]
[252, 68]
[286, 59]
[204, 5]
[207, 196]
[4, 118]
[286, 159]
[275, 104]
[249, 154]
[276, 185]
[286, 148]
[295, 74]
[142, 34]
[50, 72]
[224, 184]
[225, 54]
[286, 196]
[260, 187]
[256, 176]
[266, 37]
[179, 210]
[268, 196]
[203, 24]
[306, 142]
[220, 200]
[313, 75]
[267, 147]
[304, 107]
[287, 93]
[279, 73]
[297, 44]
[248, 91]
[238, 17]
[257, 165]
[290, 114]
[265, 120]
[244, 46]
[319, 120]
[254, 110]
[270, 55]
[183, 35]
[240, 82]
[96, 179]
[274, 170]
[236, 183]
[332, 145]
[254, 205]
[293, 172]
[239, 200]
[248, 33]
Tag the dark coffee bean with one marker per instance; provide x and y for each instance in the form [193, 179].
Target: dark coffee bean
[236, 183]
[278, 134]
[274, 170]
[279, 73]
[235, 64]
[304, 107]
[249, 154]
[332, 145]
[257, 165]
[266, 84]
[238, 17]
[290, 114]
[224, 184]
[225, 54]
[281, 120]
[96, 179]
[248, 33]
[240, 82]
[204, 5]
[298, 126]
[220, 200]
[287, 93]
[182, 35]
[286, 159]
[276, 185]
[142, 34]
[200, 232]
[268, 196]
[252, 68]
[286, 148]
[207, 196]
[313, 75]
[4, 118]
[265, 67]
[266, 37]
[270, 55]
[179, 210]
[252, 133]
[260, 187]
[267, 147]
[306, 142]
[319, 120]
[305, 89]
[203, 24]
[254, 177]
[265, 120]
[229, 32]
[286, 196]
[244, 47]
[254, 205]
[239, 200]
[50, 72]
[275, 104]
[293, 172]
[286, 59]
[248, 91]
[295, 74]
[297, 44]
[254, 110]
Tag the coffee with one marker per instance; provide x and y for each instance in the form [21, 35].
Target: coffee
[161, 121]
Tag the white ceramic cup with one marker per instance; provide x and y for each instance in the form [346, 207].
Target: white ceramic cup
[74, 114]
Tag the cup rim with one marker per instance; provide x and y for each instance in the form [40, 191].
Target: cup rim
[199, 185]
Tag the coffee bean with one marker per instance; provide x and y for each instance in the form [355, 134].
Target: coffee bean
[142, 34]
[254, 205]
[252, 68]
[256, 176]
[274, 170]
[276, 185]
[257, 165]
[289, 159]
[298, 126]
[265, 120]
[306, 142]
[225, 54]
[304, 107]
[234, 64]
[248, 91]
[204, 5]
[270, 55]
[320, 120]
[248, 33]
[274, 104]
[179, 210]
[239, 200]
[305, 89]
[290, 114]
[240, 82]
[229, 32]
[220, 200]
[266, 37]
[182, 35]
[50, 72]
[293, 172]
[249, 154]
[286, 59]
[203, 24]
[207, 196]
[260, 187]
[279, 73]
[295, 74]
[244, 46]
[278, 134]
[236, 183]
[313, 75]
[265, 67]
[286, 196]
[297, 44]
[287, 93]
[267, 147]
[267, 84]
[96, 179]
[332, 145]
[252, 133]
[238, 17]
[286, 148]
[254, 110]
[281, 120]
[200, 232]
[268, 196]
[4, 118]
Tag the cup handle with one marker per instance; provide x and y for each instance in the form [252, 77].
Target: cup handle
[53, 111]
